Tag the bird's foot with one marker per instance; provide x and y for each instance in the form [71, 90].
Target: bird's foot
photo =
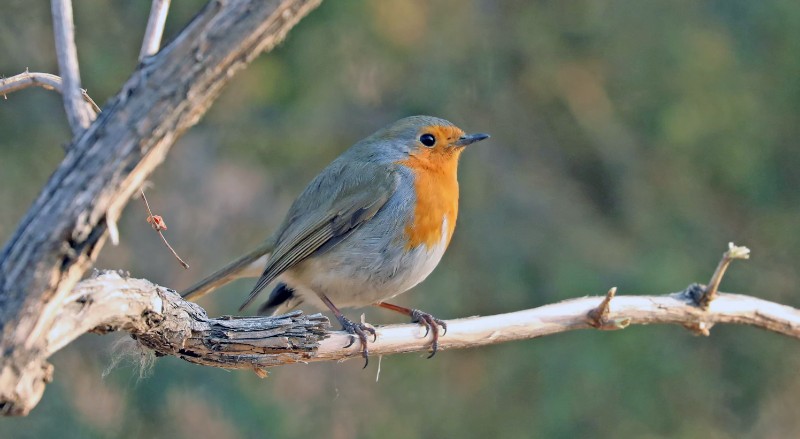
[359, 330]
[430, 323]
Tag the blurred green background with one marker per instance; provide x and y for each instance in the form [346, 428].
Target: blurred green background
[631, 140]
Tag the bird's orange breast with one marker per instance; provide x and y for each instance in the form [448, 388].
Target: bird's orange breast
[436, 186]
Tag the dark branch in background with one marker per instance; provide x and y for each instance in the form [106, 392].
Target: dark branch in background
[155, 28]
[79, 114]
[65, 228]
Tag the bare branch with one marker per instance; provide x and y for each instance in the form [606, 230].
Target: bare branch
[66, 226]
[79, 114]
[36, 79]
[29, 79]
[160, 320]
[709, 293]
[167, 324]
[155, 28]
[570, 315]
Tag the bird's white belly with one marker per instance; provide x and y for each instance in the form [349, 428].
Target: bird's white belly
[357, 274]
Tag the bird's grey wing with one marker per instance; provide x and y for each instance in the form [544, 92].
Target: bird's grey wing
[329, 209]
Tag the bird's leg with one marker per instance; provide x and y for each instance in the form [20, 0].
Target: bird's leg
[424, 319]
[354, 329]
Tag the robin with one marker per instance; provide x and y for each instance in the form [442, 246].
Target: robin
[370, 226]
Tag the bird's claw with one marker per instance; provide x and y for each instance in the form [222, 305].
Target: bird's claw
[359, 330]
[429, 322]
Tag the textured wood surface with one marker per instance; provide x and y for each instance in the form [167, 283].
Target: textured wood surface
[162, 321]
[63, 231]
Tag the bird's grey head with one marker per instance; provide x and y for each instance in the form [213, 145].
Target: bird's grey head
[409, 135]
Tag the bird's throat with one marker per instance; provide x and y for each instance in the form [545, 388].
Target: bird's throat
[436, 189]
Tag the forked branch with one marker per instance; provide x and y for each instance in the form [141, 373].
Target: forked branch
[79, 114]
[66, 226]
[155, 28]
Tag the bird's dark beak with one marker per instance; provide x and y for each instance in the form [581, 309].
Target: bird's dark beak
[468, 139]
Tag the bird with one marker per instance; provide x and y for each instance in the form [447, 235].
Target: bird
[371, 225]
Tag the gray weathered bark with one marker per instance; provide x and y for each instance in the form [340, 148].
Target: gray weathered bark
[161, 321]
[67, 225]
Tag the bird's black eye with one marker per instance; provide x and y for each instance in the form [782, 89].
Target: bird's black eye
[427, 140]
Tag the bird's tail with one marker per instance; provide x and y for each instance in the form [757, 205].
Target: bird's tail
[248, 265]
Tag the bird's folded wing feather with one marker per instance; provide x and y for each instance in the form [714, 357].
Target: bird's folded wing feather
[329, 209]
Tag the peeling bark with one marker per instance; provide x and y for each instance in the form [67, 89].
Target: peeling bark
[63, 231]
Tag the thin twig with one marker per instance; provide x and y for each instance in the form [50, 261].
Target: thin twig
[155, 28]
[159, 226]
[710, 291]
[79, 114]
[29, 79]
[90, 101]
[47, 81]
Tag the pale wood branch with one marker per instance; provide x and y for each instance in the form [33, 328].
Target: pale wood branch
[46, 81]
[159, 319]
[155, 28]
[79, 114]
[66, 226]
[162, 321]
[709, 293]
[30, 79]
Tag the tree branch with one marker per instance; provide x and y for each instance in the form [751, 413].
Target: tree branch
[162, 321]
[709, 293]
[36, 79]
[29, 79]
[65, 228]
[155, 28]
[79, 114]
